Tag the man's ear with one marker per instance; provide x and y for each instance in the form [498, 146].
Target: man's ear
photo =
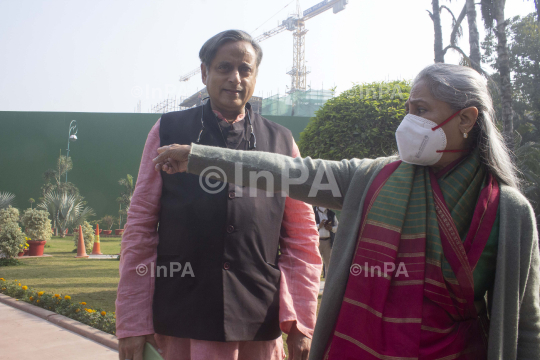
[468, 118]
[203, 73]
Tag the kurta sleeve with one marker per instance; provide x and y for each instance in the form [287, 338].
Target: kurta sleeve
[300, 264]
[139, 248]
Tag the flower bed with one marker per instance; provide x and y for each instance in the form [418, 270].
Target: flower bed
[62, 305]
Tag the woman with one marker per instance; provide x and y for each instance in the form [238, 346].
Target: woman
[426, 238]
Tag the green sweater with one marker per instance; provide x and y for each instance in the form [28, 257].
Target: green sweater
[514, 302]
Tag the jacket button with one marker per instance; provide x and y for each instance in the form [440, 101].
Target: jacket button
[232, 195]
[230, 229]
[226, 266]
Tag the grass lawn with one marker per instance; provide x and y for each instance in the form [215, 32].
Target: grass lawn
[92, 281]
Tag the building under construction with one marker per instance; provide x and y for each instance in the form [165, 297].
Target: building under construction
[197, 99]
[298, 103]
[296, 25]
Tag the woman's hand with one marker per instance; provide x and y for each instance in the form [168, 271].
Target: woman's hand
[172, 158]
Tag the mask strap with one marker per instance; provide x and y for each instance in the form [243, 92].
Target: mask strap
[453, 151]
[445, 121]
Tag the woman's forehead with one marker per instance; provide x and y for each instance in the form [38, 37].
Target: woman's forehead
[420, 92]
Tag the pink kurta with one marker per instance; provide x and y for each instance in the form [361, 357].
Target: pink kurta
[300, 265]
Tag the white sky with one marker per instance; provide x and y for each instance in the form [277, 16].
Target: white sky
[104, 56]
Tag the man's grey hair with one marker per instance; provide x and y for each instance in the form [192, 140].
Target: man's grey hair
[462, 87]
[212, 45]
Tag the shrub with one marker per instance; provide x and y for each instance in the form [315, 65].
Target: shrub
[107, 221]
[88, 235]
[37, 224]
[359, 123]
[12, 240]
[9, 214]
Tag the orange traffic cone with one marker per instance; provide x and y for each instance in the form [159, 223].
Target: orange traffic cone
[96, 250]
[81, 249]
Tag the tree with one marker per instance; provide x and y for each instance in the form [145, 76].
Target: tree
[125, 197]
[537, 5]
[6, 199]
[53, 178]
[31, 201]
[493, 11]
[127, 193]
[474, 37]
[361, 122]
[435, 16]
[66, 210]
[474, 59]
[529, 168]
[523, 36]
[524, 53]
[504, 71]
[524, 60]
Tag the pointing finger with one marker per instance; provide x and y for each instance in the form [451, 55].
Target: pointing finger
[163, 148]
[160, 158]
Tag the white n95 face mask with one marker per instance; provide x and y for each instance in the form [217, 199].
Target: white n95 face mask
[421, 141]
[418, 143]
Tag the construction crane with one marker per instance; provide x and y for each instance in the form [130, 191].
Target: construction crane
[296, 24]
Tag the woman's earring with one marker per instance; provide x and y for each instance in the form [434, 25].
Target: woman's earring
[465, 135]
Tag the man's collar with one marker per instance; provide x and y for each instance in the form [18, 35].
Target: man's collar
[238, 118]
[221, 117]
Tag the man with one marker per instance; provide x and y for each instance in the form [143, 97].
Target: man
[327, 224]
[227, 294]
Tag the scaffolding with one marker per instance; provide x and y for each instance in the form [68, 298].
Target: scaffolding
[298, 103]
[168, 105]
[197, 99]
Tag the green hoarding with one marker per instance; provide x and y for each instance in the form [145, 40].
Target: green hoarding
[109, 146]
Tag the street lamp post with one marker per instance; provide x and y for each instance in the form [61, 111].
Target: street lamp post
[72, 136]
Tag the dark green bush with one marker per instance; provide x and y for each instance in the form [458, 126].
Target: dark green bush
[359, 123]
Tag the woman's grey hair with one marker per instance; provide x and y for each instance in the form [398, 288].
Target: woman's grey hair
[462, 87]
[212, 45]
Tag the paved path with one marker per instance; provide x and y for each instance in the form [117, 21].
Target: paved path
[27, 337]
